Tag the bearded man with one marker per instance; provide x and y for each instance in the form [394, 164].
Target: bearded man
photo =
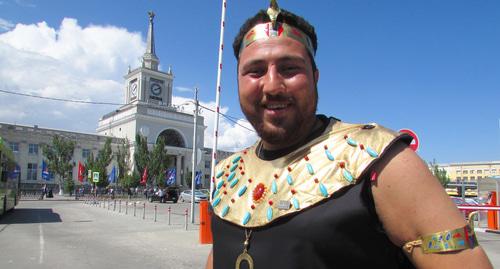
[315, 192]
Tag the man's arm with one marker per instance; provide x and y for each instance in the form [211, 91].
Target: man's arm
[410, 202]
[210, 262]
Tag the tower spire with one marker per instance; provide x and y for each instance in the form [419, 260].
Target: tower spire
[150, 60]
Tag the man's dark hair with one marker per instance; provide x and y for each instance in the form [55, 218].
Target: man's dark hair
[285, 17]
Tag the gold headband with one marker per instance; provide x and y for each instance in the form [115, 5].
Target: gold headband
[266, 31]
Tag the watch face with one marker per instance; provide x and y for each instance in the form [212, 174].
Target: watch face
[155, 88]
[133, 89]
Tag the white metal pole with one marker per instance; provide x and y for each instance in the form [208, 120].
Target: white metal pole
[193, 173]
[217, 99]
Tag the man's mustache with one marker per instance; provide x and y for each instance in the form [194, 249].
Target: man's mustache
[279, 98]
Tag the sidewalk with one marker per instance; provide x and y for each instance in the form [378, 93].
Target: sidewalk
[57, 197]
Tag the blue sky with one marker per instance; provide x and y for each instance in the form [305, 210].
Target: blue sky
[431, 66]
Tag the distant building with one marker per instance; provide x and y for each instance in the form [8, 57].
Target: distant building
[26, 144]
[471, 171]
[207, 162]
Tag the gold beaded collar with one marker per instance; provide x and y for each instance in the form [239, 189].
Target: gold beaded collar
[251, 192]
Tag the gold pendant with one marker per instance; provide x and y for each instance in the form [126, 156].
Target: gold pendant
[244, 257]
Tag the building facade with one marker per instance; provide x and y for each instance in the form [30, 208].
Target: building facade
[26, 144]
[471, 171]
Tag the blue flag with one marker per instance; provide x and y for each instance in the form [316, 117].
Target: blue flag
[170, 177]
[45, 171]
[197, 178]
[15, 172]
[112, 176]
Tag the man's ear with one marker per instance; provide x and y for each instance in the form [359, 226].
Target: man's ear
[316, 76]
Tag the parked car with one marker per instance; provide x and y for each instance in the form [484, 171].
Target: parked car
[205, 191]
[169, 194]
[198, 196]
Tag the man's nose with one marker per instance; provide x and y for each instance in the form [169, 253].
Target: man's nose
[273, 82]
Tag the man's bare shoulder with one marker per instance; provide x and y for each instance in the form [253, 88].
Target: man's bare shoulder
[411, 202]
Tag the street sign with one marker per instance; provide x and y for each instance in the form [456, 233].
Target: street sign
[95, 177]
[415, 142]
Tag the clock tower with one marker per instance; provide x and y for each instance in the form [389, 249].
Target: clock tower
[148, 111]
[147, 84]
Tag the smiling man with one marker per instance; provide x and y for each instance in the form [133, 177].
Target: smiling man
[315, 192]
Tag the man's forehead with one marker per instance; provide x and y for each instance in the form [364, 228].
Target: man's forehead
[282, 48]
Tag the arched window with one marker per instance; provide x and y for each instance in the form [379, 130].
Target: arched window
[172, 138]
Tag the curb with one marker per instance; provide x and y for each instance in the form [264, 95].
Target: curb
[493, 231]
[50, 199]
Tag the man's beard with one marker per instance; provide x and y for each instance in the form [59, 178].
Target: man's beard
[283, 132]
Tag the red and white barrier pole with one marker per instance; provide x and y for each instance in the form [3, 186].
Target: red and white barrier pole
[478, 207]
[217, 99]
[492, 214]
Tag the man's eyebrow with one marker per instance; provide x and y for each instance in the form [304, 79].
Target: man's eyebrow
[283, 59]
[252, 63]
[291, 59]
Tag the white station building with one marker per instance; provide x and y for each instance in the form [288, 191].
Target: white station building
[149, 111]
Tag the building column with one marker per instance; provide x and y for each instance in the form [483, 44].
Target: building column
[178, 169]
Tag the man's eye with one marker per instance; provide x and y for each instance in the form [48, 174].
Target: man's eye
[291, 69]
[255, 72]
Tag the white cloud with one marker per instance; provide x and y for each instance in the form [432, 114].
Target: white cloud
[72, 62]
[84, 63]
[232, 137]
[184, 89]
[5, 25]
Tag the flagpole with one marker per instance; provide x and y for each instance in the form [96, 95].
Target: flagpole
[193, 173]
[217, 99]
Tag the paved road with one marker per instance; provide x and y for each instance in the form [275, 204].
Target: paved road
[70, 234]
[491, 244]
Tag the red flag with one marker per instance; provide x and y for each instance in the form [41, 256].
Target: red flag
[144, 177]
[81, 171]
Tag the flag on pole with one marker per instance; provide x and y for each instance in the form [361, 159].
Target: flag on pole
[81, 171]
[112, 175]
[144, 177]
[170, 177]
[15, 172]
[197, 178]
[45, 171]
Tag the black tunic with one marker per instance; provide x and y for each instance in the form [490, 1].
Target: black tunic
[343, 232]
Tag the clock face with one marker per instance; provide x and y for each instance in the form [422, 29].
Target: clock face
[133, 89]
[155, 88]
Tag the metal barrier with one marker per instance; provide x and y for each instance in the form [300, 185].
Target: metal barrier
[155, 212]
[492, 223]
[106, 203]
[144, 211]
[186, 214]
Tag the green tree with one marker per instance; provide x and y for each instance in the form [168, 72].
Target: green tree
[187, 178]
[439, 173]
[158, 163]
[131, 180]
[122, 158]
[101, 162]
[89, 164]
[141, 154]
[59, 156]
